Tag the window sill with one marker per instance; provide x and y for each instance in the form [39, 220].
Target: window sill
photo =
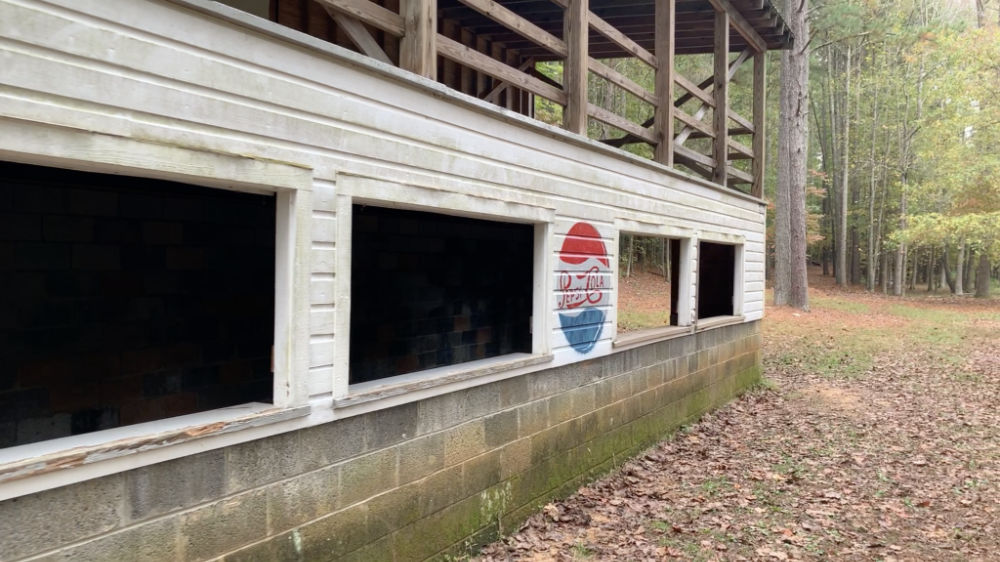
[717, 321]
[372, 391]
[48, 457]
[651, 335]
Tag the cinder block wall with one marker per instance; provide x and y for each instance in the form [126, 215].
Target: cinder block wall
[422, 480]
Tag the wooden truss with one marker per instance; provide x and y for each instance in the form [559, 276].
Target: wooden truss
[425, 34]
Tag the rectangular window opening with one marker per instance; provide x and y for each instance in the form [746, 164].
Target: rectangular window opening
[648, 282]
[431, 290]
[129, 300]
[716, 279]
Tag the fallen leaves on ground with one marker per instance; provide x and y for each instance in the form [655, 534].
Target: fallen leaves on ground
[893, 457]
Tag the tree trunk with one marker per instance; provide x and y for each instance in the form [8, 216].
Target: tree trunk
[885, 275]
[842, 272]
[969, 272]
[960, 271]
[930, 270]
[947, 270]
[897, 285]
[630, 256]
[943, 278]
[870, 275]
[983, 277]
[790, 282]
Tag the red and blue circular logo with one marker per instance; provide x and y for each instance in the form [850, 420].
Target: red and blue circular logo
[584, 283]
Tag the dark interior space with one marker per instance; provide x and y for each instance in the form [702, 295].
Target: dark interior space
[126, 300]
[716, 278]
[430, 290]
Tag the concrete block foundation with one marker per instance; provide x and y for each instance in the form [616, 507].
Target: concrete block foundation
[438, 477]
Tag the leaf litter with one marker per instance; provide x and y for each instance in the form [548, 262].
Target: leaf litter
[875, 436]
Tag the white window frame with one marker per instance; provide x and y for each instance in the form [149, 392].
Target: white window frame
[34, 467]
[738, 241]
[685, 302]
[464, 201]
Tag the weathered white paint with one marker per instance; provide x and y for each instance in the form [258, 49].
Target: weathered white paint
[192, 91]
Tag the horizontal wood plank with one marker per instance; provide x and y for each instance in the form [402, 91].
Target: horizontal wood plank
[694, 90]
[615, 120]
[611, 32]
[695, 156]
[693, 122]
[519, 25]
[455, 51]
[741, 121]
[739, 175]
[622, 81]
[743, 150]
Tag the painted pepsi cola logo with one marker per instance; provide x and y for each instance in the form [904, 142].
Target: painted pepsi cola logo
[584, 277]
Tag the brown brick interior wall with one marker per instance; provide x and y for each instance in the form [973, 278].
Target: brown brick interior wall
[127, 300]
[422, 480]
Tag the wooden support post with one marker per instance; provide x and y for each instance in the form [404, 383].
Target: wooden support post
[759, 122]
[418, 53]
[720, 114]
[483, 82]
[664, 48]
[513, 95]
[468, 76]
[576, 35]
[449, 75]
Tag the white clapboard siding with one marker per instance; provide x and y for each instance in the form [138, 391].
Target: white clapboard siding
[178, 77]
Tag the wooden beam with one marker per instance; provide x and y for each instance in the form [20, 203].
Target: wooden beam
[622, 81]
[741, 25]
[720, 91]
[689, 131]
[359, 35]
[519, 25]
[742, 151]
[417, 49]
[615, 120]
[663, 116]
[623, 41]
[759, 120]
[453, 50]
[493, 95]
[698, 157]
[576, 34]
[448, 73]
[693, 122]
[740, 120]
[694, 90]
[483, 81]
[616, 36]
[468, 77]
[370, 13]
[513, 95]
[739, 175]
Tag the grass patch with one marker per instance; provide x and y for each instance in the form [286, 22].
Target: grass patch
[632, 320]
[840, 304]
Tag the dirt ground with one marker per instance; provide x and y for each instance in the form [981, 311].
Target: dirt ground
[874, 436]
[643, 301]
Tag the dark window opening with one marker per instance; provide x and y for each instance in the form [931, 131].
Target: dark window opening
[128, 300]
[429, 290]
[716, 279]
[648, 282]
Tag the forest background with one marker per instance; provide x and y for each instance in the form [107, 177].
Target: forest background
[903, 165]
